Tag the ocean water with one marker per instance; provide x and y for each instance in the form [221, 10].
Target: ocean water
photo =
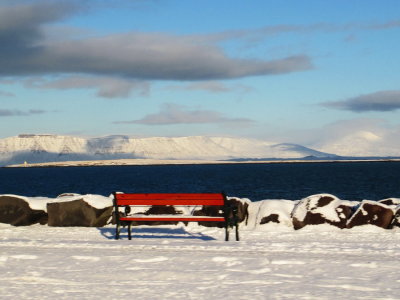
[352, 181]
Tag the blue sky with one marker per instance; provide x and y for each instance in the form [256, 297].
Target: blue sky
[285, 71]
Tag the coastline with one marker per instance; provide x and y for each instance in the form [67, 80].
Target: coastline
[141, 162]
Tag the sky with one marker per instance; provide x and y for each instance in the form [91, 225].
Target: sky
[305, 72]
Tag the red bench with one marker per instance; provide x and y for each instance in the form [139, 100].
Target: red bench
[227, 214]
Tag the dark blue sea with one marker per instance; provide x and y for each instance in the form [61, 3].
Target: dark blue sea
[352, 181]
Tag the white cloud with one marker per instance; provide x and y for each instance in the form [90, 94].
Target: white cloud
[171, 114]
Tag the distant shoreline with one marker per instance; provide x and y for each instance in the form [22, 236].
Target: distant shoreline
[144, 162]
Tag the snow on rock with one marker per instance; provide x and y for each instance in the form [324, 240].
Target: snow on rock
[390, 201]
[394, 204]
[265, 214]
[96, 201]
[277, 211]
[396, 218]
[371, 212]
[35, 203]
[65, 210]
[71, 209]
[320, 209]
[17, 211]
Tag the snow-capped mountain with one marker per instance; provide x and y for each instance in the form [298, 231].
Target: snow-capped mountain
[362, 143]
[35, 148]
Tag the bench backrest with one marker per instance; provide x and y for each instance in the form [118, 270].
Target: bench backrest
[194, 199]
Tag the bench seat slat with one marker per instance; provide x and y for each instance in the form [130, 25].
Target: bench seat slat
[169, 196]
[178, 202]
[170, 199]
[174, 218]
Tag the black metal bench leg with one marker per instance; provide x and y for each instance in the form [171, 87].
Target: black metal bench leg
[130, 230]
[117, 230]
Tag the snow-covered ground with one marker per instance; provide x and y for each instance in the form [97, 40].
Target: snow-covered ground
[176, 262]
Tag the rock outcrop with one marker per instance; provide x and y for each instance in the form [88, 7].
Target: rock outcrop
[321, 209]
[17, 211]
[396, 218]
[373, 213]
[274, 212]
[77, 213]
[96, 211]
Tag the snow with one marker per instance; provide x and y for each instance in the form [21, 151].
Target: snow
[359, 143]
[176, 262]
[271, 261]
[37, 203]
[365, 213]
[96, 201]
[40, 203]
[327, 211]
[259, 209]
[53, 148]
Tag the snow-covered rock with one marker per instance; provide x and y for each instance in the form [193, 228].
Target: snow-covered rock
[374, 213]
[390, 201]
[321, 209]
[70, 209]
[396, 218]
[265, 214]
[86, 211]
[18, 211]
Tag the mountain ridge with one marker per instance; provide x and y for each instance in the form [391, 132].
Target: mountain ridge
[40, 148]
